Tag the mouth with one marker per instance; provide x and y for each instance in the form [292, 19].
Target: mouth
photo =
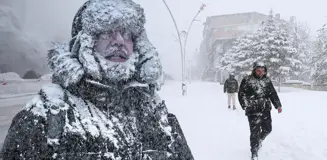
[118, 56]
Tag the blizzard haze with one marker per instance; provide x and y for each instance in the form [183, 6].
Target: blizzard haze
[97, 97]
[51, 20]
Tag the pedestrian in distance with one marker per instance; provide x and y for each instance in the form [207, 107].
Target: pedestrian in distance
[231, 87]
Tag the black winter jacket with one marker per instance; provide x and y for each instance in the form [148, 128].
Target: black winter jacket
[256, 94]
[64, 126]
[231, 85]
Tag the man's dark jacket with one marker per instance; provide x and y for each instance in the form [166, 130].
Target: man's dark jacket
[256, 94]
[231, 85]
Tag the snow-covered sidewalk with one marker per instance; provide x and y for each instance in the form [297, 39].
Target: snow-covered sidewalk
[8, 96]
[216, 133]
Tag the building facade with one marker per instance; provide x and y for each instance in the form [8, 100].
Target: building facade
[218, 35]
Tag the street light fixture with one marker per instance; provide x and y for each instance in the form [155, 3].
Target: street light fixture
[183, 47]
[186, 38]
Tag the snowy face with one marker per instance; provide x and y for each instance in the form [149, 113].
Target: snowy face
[115, 46]
[260, 71]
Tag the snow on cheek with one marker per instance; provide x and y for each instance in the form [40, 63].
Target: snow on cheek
[118, 70]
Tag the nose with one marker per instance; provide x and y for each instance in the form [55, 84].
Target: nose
[118, 38]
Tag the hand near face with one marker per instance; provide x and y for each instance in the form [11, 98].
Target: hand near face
[280, 110]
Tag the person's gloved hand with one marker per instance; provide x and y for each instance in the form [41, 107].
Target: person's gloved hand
[280, 110]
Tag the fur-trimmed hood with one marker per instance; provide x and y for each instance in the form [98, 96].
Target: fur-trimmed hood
[73, 62]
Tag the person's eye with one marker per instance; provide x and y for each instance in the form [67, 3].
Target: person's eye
[127, 35]
[106, 36]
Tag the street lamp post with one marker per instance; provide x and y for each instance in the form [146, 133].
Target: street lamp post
[188, 31]
[179, 40]
[185, 42]
[183, 47]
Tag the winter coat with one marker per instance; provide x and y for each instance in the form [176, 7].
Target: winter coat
[256, 94]
[231, 85]
[93, 110]
[57, 124]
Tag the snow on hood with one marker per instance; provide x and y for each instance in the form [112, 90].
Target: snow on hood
[71, 62]
[104, 15]
[259, 64]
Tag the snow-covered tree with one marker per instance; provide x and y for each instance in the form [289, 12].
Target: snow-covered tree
[319, 60]
[274, 48]
[300, 40]
[238, 60]
[271, 44]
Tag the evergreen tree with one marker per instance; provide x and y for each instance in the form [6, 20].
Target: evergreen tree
[271, 44]
[319, 60]
[300, 40]
[274, 48]
[238, 59]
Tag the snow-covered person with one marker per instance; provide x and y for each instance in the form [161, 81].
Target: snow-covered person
[255, 95]
[103, 102]
[231, 87]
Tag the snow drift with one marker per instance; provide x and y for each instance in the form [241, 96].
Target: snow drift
[10, 76]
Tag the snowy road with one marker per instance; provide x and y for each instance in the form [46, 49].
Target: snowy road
[216, 133]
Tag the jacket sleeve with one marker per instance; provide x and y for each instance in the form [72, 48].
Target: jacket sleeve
[225, 86]
[236, 83]
[273, 96]
[169, 141]
[242, 95]
[25, 138]
[180, 144]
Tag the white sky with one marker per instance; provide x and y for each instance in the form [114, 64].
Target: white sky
[53, 18]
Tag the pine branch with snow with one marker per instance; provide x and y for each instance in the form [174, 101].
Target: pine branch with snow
[319, 59]
[273, 46]
[237, 59]
[300, 40]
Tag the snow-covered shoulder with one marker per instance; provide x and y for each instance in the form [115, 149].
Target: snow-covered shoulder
[50, 98]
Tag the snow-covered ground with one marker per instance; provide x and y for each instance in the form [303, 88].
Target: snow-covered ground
[216, 133]
[21, 87]
[9, 76]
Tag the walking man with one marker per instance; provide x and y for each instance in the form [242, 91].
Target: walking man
[231, 87]
[255, 95]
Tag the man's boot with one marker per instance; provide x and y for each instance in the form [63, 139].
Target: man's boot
[228, 107]
[260, 144]
[254, 156]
